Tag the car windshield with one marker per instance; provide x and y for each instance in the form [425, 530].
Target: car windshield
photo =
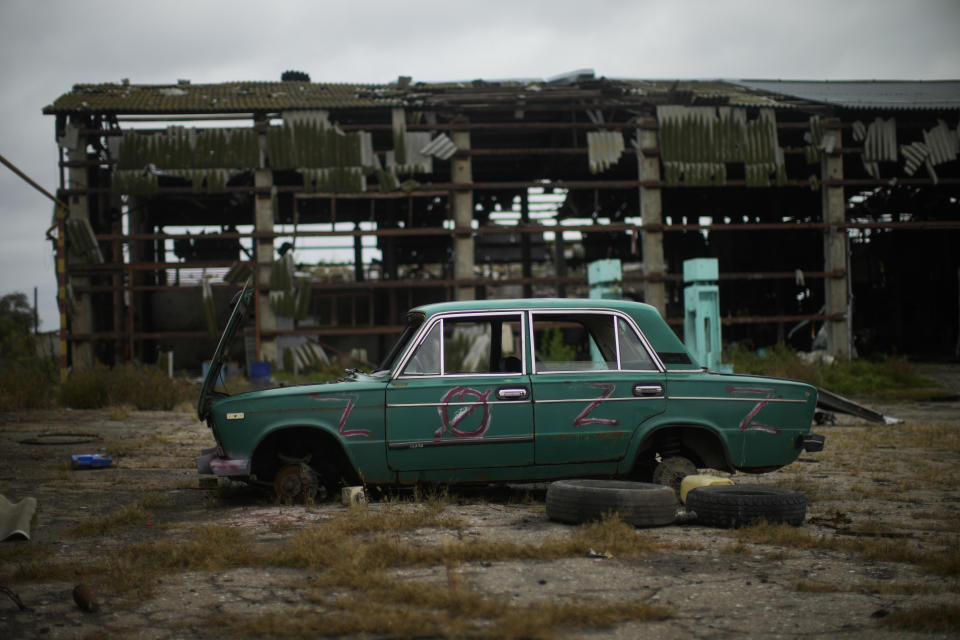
[414, 320]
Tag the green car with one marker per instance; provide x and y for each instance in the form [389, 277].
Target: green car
[508, 390]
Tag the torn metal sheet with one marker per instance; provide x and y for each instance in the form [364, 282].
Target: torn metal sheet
[15, 517]
[829, 401]
[604, 149]
[441, 147]
[943, 143]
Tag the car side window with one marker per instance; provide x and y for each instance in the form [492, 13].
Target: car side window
[574, 341]
[466, 346]
[633, 355]
[478, 344]
[426, 359]
[484, 344]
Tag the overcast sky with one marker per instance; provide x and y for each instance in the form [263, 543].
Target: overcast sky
[48, 46]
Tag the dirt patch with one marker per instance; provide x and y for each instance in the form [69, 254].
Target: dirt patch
[881, 540]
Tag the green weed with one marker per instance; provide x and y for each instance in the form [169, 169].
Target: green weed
[891, 377]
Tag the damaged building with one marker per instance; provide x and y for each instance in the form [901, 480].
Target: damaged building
[832, 207]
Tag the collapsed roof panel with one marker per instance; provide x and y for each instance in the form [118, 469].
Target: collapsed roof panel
[227, 97]
[873, 94]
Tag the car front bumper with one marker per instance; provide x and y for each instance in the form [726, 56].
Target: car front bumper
[209, 463]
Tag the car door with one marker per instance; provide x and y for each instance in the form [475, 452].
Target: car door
[594, 382]
[462, 398]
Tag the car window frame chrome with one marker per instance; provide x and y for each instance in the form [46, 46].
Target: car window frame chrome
[654, 357]
[427, 326]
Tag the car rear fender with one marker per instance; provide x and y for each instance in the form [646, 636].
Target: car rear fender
[685, 438]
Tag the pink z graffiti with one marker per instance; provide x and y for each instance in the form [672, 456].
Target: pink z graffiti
[582, 418]
[746, 424]
[351, 401]
[459, 394]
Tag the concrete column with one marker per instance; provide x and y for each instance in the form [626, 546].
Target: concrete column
[525, 260]
[835, 243]
[263, 223]
[81, 320]
[463, 252]
[651, 212]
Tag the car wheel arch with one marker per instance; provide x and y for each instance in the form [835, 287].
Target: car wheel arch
[703, 441]
[297, 441]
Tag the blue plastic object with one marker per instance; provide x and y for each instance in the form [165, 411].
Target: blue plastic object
[260, 374]
[90, 461]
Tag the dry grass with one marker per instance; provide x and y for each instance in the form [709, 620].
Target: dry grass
[121, 412]
[354, 593]
[127, 515]
[928, 619]
[424, 611]
[880, 588]
[867, 541]
[352, 562]
[133, 514]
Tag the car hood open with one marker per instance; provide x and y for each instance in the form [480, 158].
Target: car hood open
[207, 392]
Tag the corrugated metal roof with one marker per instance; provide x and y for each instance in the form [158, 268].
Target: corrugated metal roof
[228, 97]
[872, 94]
[246, 97]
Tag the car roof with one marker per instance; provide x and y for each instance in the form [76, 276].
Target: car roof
[660, 335]
[515, 304]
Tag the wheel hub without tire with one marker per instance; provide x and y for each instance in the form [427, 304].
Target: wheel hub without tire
[296, 483]
[671, 472]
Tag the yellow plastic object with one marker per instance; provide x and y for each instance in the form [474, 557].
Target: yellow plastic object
[689, 483]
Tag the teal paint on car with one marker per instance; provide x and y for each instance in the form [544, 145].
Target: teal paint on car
[508, 390]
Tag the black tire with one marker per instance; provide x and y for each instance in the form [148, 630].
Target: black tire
[638, 503]
[739, 506]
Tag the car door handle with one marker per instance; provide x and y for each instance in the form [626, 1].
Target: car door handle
[647, 390]
[512, 393]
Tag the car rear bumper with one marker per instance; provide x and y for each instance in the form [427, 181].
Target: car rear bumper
[810, 442]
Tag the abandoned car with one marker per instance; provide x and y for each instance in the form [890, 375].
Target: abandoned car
[508, 390]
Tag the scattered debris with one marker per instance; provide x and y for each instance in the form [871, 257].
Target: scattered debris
[15, 518]
[85, 597]
[353, 496]
[691, 482]
[828, 401]
[13, 596]
[90, 461]
[61, 438]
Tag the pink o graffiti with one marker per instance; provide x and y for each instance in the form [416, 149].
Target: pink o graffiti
[459, 394]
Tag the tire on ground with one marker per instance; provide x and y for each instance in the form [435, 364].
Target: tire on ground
[741, 505]
[638, 503]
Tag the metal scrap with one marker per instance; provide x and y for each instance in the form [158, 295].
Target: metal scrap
[697, 143]
[604, 149]
[15, 517]
[441, 147]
